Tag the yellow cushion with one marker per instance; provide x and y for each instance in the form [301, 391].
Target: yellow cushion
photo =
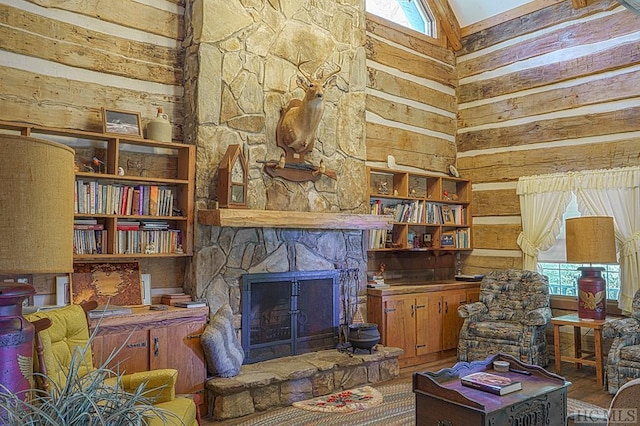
[183, 408]
[68, 333]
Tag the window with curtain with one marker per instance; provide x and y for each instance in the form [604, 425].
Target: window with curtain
[563, 277]
[609, 192]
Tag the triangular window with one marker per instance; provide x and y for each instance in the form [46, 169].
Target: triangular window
[414, 14]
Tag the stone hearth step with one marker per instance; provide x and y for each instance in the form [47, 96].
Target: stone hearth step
[283, 381]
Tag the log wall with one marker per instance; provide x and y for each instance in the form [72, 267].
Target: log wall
[410, 105]
[61, 61]
[556, 90]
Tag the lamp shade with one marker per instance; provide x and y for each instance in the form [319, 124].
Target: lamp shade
[591, 239]
[36, 206]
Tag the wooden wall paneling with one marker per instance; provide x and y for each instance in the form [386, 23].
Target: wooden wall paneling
[407, 114]
[503, 202]
[534, 19]
[420, 43]
[63, 32]
[579, 33]
[598, 90]
[484, 264]
[579, 126]
[131, 14]
[496, 237]
[409, 148]
[509, 166]
[403, 60]
[616, 57]
[71, 104]
[397, 86]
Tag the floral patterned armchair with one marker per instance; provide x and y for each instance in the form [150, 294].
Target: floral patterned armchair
[511, 317]
[623, 361]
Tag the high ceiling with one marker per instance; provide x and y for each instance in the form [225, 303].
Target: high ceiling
[471, 11]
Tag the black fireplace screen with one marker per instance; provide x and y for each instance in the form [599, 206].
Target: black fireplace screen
[289, 313]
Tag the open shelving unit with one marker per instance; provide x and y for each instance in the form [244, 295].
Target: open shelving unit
[430, 212]
[110, 170]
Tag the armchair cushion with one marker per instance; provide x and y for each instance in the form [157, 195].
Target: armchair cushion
[159, 385]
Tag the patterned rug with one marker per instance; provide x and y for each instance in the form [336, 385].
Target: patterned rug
[397, 409]
[343, 402]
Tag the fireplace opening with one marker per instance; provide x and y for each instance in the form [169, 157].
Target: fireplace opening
[289, 313]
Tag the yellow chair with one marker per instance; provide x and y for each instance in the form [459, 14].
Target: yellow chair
[69, 332]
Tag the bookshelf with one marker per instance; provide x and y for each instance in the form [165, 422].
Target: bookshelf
[430, 212]
[134, 197]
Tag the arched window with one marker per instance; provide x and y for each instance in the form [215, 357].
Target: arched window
[414, 14]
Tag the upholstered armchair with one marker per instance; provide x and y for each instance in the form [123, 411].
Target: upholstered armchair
[61, 332]
[623, 361]
[511, 317]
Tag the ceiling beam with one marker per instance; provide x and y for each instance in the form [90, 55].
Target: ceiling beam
[448, 22]
[577, 4]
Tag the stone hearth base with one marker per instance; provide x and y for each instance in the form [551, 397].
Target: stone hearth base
[282, 381]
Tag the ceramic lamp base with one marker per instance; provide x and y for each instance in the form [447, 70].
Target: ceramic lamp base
[592, 294]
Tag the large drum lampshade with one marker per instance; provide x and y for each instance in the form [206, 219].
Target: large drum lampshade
[36, 206]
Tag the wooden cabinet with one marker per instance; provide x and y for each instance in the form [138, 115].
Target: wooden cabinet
[134, 197]
[421, 319]
[150, 340]
[430, 212]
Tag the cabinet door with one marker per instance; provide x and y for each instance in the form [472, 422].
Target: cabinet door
[450, 319]
[473, 295]
[179, 347]
[132, 347]
[433, 323]
[425, 329]
[400, 328]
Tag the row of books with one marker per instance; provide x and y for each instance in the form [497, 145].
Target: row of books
[423, 212]
[378, 238]
[94, 197]
[89, 240]
[148, 241]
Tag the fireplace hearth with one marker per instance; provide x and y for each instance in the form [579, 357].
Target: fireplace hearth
[289, 313]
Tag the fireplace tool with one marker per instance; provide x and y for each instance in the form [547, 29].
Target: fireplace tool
[349, 279]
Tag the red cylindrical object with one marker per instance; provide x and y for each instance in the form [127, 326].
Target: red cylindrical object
[16, 339]
[592, 294]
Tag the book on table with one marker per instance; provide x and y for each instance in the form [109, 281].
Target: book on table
[192, 304]
[488, 382]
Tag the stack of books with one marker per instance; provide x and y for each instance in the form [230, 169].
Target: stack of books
[175, 298]
[493, 383]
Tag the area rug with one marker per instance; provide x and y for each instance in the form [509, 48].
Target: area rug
[345, 401]
[396, 409]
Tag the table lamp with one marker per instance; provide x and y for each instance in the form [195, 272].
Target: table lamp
[36, 236]
[591, 239]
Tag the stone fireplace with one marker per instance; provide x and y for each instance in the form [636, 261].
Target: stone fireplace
[240, 70]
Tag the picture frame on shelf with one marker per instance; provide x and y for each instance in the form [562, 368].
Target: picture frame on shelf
[447, 216]
[118, 122]
[62, 290]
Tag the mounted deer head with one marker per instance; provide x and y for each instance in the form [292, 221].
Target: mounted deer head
[299, 119]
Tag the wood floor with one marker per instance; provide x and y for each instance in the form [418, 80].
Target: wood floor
[583, 382]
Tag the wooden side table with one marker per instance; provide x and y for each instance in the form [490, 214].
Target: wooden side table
[580, 357]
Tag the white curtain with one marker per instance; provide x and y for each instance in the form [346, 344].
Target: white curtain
[543, 200]
[616, 193]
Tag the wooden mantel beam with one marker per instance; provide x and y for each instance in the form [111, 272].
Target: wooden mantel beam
[247, 218]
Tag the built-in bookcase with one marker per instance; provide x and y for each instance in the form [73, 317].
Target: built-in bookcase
[430, 212]
[134, 197]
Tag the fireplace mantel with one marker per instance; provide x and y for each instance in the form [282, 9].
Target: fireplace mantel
[247, 218]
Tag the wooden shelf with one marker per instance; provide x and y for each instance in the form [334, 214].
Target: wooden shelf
[242, 218]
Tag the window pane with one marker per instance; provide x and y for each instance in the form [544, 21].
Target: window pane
[563, 278]
[408, 13]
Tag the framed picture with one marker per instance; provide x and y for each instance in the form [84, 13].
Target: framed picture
[447, 216]
[121, 122]
[114, 283]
